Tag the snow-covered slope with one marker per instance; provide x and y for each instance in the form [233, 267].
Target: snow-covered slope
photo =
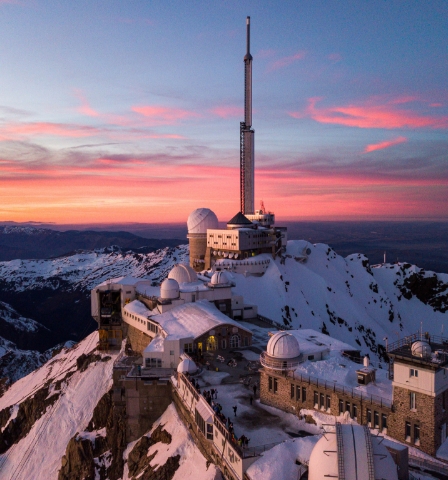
[347, 298]
[87, 269]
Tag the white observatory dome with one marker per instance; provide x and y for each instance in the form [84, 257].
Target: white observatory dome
[201, 219]
[187, 366]
[169, 290]
[183, 274]
[421, 349]
[283, 345]
[220, 278]
[355, 455]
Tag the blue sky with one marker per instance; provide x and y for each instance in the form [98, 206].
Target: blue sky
[124, 110]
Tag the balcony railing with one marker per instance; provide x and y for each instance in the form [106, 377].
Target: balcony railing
[279, 364]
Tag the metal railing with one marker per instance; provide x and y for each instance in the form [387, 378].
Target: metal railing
[428, 465]
[277, 364]
[343, 389]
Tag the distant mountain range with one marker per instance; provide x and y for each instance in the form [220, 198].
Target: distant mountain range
[27, 242]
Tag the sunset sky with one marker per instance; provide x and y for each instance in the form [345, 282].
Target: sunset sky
[129, 111]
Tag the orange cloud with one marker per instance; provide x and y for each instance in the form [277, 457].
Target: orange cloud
[388, 143]
[228, 111]
[370, 114]
[160, 115]
[286, 61]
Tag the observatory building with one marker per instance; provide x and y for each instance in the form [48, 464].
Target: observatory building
[250, 232]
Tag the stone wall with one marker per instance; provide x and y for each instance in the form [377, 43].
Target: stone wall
[282, 393]
[429, 415]
[137, 339]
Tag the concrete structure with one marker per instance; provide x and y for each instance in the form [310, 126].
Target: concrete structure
[351, 452]
[247, 137]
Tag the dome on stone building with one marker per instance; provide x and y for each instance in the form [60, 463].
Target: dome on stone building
[187, 366]
[283, 345]
[220, 278]
[363, 455]
[201, 219]
[183, 274]
[169, 290]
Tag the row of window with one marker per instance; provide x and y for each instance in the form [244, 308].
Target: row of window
[149, 325]
[408, 431]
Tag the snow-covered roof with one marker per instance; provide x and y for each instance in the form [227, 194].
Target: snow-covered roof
[120, 281]
[137, 308]
[312, 340]
[192, 320]
[361, 450]
[156, 344]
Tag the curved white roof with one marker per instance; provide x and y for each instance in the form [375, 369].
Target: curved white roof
[283, 345]
[201, 219]
[187, 366]
[220, 278]
[169, 289]
[183, 274]
[421, 349]
[354, 459]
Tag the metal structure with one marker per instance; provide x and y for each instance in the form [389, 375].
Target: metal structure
[247, 135]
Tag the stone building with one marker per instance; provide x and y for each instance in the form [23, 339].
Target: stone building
[303, 369]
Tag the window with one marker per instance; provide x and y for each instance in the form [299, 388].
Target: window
[171, 352]
[270, 383]
[355, 412]
[376, 419]
[193, 298]
[209, 431]
[224, 344]
[224, 331]
[407, 431]
[328, 403]
[298, 392]
[322, 401]
[413, 372]
[303, 394]
[275, 385]
[310, 357]
[341, 407]
[369, 417]
[347, 408]
[316, 400]
[293, 389]
[412, 401]
[234, 341]
[384, 422]
[188, 348]
[417, 434]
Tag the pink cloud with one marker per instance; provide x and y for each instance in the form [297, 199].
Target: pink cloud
[46, 128]
[286, 61]
[228, 111]
[388, 143]
[266, 53]
[85, 107]
[373, 113]
[163, 115]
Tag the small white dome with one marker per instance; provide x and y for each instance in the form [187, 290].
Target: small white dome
[187, 366]
[201, 219]
[220, 278]
[421, 349]
[169, 290]
[283, 345]
[183, 274]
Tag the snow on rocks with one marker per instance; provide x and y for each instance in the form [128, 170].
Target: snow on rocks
[78, 392]
[181, 447]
